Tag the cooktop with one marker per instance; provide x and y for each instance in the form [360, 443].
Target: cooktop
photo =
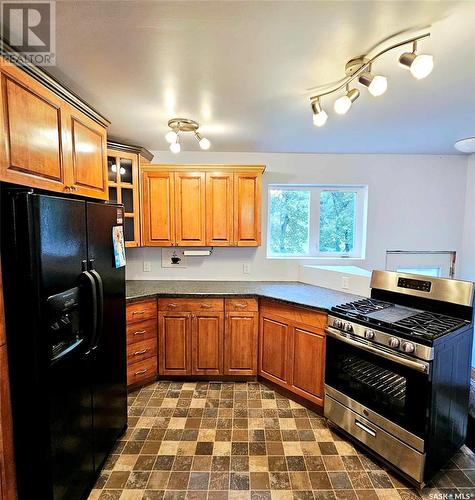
[395, 318]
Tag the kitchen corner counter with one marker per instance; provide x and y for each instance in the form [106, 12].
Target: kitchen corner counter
[290, 292]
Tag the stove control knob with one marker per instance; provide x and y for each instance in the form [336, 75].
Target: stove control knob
[408, 347]
[369, 334]
[338, 323]
[347, 327]
[394, 342]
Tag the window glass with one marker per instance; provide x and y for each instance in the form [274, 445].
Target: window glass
[316, 221]
[289, 211]
[337, 221]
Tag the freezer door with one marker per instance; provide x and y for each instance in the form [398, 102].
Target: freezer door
[43, 248]
[109, 350]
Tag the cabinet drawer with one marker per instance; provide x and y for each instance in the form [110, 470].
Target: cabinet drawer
[141, 350]
[137, 332]
[140, 311]
[186, 305]
[143, 370]
[241, 305]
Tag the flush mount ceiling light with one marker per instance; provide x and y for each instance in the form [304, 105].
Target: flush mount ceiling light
[360, 69]
[466, 145]
[181, 125]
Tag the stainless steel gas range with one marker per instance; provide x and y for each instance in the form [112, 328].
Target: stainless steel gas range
[398, 370]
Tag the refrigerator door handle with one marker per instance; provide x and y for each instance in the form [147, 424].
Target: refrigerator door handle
[100, 307]
[90, 284]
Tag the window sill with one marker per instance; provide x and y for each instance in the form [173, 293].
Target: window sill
[300, 257]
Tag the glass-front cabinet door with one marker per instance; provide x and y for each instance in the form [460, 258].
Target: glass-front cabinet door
[123, 173]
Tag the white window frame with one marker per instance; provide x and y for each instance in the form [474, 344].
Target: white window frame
[359, 246]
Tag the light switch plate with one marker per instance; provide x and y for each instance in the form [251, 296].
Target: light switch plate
[246, 268]
[147, 266]
[345, 283]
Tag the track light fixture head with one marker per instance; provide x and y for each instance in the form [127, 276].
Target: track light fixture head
[179, 125]
[377, 84]
[175, 146]
[343, 103]
[320, 116]
[420, 65]
[202, 141]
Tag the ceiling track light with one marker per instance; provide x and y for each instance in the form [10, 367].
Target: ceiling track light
[360, 69]
[180, 125]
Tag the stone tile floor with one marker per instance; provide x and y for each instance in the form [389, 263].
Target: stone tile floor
[213, 441]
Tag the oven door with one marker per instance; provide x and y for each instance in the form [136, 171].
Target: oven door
[394, 386]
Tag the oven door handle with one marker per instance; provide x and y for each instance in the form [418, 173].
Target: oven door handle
[409, 363]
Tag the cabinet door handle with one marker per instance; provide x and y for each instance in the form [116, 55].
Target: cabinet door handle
[143, 351]
[172, 306]
[240, 306]
[137, 312]
[206, 306]
[140, 332]
[140, 372]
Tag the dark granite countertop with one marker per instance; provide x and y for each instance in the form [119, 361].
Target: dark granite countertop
[291, 292]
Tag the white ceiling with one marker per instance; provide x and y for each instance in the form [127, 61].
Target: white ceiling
[242, 69]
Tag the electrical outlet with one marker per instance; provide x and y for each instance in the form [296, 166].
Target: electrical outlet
[147, 266]
[246, 268]
[345, 283]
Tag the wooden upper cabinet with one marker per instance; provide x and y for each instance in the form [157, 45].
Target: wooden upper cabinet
[190, 208]
[213, 205]
[31, 133]
[87, 154]
[219, 208]
[49, 138]
[247, 209]
[158, 209]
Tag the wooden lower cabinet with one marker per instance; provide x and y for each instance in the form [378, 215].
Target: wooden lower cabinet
[208, 337]
[292, 349]
[240, 343]
[141, 342]
[175, 346]
[207, 330]
[274, 350]
[308, 363]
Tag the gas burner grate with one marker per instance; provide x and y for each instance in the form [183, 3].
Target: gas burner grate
[362, 307]
[430, 324]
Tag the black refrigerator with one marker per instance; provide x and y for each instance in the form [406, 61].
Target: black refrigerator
[65, 324]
